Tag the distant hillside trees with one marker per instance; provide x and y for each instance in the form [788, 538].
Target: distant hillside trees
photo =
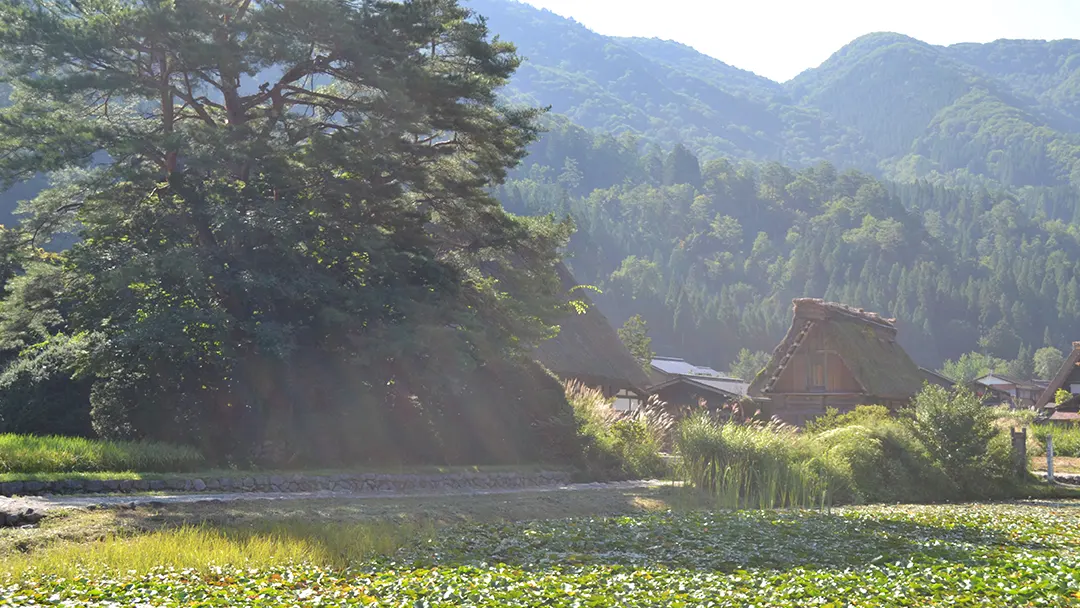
[713, 268]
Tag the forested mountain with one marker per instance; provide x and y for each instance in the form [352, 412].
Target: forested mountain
[1006, 112]
[711, 255]
[663, 90]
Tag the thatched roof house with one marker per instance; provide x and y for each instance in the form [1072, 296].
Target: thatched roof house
[1067, 379]
[835, 356]
[588, 349]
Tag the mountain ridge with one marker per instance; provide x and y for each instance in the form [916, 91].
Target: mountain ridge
[1003, 112]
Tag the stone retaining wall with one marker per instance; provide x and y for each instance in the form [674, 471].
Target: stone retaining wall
[293, 483]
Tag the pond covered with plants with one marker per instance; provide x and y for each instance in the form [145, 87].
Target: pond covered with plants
[1004, 555]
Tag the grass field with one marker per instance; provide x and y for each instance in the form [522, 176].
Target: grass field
[25, 456]
[627, 548]
[1062, 464]
[1066, 438]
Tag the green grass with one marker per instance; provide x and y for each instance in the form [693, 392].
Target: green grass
[218, 472]
[614, 446]
[751, 465]
[35, 458]
[30, 455]
[1066, 438]
[975, 554]
[260, 545]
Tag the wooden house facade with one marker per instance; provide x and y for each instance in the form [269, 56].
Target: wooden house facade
[835, 356]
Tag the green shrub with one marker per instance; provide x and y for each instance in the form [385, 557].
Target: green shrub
[863, 414]
[52, 454]
[40, 395]
[957, 431]
[946, 446]
[637, 448]
[883, 462]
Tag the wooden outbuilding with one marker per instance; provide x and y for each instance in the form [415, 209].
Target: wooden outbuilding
[835, 356]
[681, 384]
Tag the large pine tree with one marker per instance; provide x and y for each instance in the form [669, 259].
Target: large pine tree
[268, 190]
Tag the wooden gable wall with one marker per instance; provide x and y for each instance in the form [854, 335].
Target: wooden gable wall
[816, 367]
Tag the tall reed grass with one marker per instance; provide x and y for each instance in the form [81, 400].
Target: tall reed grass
[755, 465]
[618, 445]
[945, 446]
[34, 454]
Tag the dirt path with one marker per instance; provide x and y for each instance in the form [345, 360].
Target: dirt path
[45, 503]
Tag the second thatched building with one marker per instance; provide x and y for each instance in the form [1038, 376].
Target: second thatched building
[588, 349]
[835, 356]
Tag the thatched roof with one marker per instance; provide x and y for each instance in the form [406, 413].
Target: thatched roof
[1070, 363]
[865, 341]
[820, 310]
[935, 378]
[588, 347]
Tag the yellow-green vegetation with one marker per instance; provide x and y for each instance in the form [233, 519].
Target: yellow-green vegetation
[28, 454]
[583, 548]
[946, 446]
[745, 464]
[329, 532]
[189, 547]
[1066, 438]
[1068, 465]
[617, 446]
[219, 472]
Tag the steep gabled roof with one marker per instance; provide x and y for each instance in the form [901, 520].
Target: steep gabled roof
[865, 341]
[588, 347]
[1061, 378]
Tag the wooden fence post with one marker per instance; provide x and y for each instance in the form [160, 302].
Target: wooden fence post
[1019, 444]
[1050, 458]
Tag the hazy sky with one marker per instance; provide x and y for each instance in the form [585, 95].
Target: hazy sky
[780, 38]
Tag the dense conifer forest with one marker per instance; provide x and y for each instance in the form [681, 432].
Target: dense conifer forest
[712, 254]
